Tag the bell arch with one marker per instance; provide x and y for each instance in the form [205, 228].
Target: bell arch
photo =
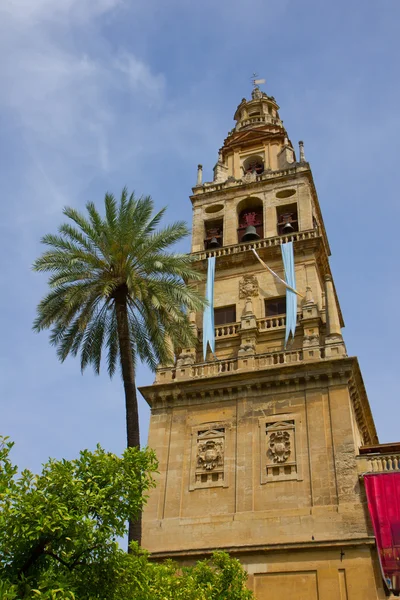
[250, 219]
[254, 163]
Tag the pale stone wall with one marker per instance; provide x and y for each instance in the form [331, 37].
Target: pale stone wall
[323, 574]
[324, 501]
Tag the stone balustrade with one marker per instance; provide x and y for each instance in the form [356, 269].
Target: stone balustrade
[267, 323]
[264, 324]
[383, 458]
[220, 367]
[257, 244]
[278, 322]
[213, 368]
[211, 186]
[258, 120]
[228, 330]
[278, 358]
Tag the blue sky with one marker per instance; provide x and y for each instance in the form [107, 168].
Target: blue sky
[98, 94]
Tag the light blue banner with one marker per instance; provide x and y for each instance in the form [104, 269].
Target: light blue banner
[291, 299]
[208, 315]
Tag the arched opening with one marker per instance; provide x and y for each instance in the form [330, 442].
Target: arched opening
[250, 215]
[214, 234]
[254, 164]
[287, 219]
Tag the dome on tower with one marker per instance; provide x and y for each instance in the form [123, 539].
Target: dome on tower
[261, 109]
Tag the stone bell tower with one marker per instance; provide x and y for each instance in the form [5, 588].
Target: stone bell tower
[259, 444]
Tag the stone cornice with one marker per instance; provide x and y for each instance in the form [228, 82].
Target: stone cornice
[246, 136]
[232, 185]
[287, 378]
[267, 548]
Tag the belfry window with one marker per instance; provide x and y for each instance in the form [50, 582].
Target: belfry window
[287, 219]
[214, 231]
[224, 315]
[251, 224]
[254, 164]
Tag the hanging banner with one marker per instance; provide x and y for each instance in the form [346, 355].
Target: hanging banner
[208, 315]
[291, 300]
[383, 495]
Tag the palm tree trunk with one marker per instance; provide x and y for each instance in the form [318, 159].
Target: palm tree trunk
[131, 404]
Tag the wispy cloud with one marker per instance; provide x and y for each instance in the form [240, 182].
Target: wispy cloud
[60, 94]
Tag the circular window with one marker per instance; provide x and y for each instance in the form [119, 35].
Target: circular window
[214, 208]
[285, 193]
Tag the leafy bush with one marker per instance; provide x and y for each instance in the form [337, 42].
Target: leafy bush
[58, 534]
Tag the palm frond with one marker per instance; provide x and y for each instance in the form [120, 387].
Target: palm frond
[93, 260]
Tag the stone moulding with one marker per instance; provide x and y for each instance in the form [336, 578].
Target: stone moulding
[324, 373]
[211, 187]
[266, 548]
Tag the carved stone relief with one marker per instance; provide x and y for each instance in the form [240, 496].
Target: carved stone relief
[210, 454]
[279, 449]
[249, 177]
[279, 446]
[208, 458]
[248, 286]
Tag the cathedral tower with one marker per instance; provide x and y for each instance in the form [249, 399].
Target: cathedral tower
[258, 444]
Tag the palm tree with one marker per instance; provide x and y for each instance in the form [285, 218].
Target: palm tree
[115, 286]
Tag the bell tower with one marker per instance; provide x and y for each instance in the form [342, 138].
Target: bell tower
[258, 445]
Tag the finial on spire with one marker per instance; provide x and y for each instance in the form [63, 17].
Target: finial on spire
[256, 93]
[301, 149]
[199, 174]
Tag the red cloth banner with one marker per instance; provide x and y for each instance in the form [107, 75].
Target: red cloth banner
[383, 495]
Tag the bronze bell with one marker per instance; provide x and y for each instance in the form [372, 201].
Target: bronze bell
[250, 234]
[287, 228]
[214, 243]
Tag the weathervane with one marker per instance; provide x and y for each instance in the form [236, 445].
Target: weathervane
[256, 82]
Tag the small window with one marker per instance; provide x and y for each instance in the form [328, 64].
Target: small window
[225, 314]
[287, 219]
[275, 306]
[214, 231]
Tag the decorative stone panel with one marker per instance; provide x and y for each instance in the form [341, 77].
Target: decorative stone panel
[208, 456]
[279, 448]
[248, 286]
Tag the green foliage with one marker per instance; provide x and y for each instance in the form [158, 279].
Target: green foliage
[58, 530]
[96, 262]
[218, 578]
[66, 519]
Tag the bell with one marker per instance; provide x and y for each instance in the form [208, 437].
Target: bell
[287, 228]
[250, 234]
[214, 243]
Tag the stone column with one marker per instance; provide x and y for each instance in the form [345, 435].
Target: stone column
[301, 152]
[332, 314]
[199, 175]
[164, 371]
[334, 345]
[311, 322]
[187, 357]
[248, 337]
